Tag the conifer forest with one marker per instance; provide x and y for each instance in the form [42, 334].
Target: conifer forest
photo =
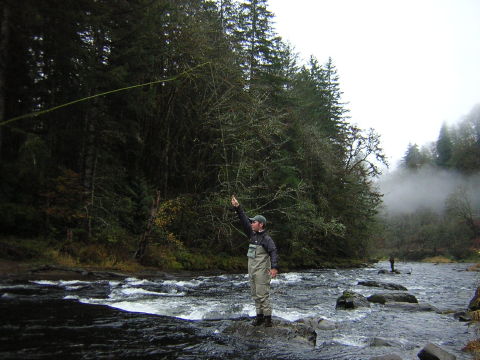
[126, 126]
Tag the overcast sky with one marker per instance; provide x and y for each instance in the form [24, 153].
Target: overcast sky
[405, 66]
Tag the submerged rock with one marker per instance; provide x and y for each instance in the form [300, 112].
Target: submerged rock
[387, 357]
[318, 323]
[388, 286]
[380, 342]
[303, 331]
[351, 300]
[434, 352]
[389, 297]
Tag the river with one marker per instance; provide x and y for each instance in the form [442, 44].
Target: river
[207, 317]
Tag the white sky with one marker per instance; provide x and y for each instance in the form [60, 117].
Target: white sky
[405, 66]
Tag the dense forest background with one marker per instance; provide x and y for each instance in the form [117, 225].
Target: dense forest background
[127, 125]
[431, 203]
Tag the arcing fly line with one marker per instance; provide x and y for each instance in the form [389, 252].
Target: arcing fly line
[37, 113]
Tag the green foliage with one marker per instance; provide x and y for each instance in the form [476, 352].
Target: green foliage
[426, 233]
[248, 121]
[64, 203]
[21, 219]
[21, 249]
[444, 147]
[415, 158]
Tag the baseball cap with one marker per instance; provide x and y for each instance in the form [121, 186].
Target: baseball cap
[259, 218]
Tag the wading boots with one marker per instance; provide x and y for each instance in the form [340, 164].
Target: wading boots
[268, 321]
[259, 320]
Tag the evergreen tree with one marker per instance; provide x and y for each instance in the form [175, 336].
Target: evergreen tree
[258, 40]
[466, 140]
[444, 147]
[415, 158]
[229, 13]
[333, 162]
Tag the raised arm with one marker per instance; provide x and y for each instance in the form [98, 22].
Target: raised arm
[247, 228]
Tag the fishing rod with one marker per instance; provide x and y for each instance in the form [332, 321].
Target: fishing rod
[38, 113]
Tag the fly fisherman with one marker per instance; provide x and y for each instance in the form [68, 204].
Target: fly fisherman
[262, 263]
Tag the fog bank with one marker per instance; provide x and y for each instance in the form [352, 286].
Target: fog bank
[406, 191]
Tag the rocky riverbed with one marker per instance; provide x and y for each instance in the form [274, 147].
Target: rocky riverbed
[52, 312]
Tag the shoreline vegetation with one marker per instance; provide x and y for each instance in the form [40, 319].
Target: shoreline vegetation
[120, 257]
[29, 259]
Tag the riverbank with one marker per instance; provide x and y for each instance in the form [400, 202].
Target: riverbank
[27, 271]
[22, 257]
[27, 258]
[33, 270]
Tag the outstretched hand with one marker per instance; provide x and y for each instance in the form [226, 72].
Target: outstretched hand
[235, 202]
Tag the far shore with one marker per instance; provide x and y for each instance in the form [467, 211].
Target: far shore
[24, 271]
[27, 271]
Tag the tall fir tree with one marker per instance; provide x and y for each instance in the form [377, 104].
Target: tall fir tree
[444, 147]
[413, 158]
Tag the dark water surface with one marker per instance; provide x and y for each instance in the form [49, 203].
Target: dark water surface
[206, 317]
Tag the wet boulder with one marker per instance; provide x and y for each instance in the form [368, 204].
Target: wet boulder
[475, 302]
[318, 323]
[380, 342]
[351, 300]
[326, 325]
[383, 271]
[392, 297]
[384, 285]
[434, 352]
[317, 326]
[462, 316]
[282, 329]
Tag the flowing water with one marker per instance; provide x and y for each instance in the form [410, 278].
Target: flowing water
[203, 317]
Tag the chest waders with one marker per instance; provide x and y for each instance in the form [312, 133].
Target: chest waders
[259, 274]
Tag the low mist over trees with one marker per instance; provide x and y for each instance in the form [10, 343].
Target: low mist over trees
[432, 203]
[227, 109]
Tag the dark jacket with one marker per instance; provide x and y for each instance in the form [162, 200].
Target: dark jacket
[258, 238]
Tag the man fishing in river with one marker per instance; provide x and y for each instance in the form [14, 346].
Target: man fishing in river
[262, 263]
